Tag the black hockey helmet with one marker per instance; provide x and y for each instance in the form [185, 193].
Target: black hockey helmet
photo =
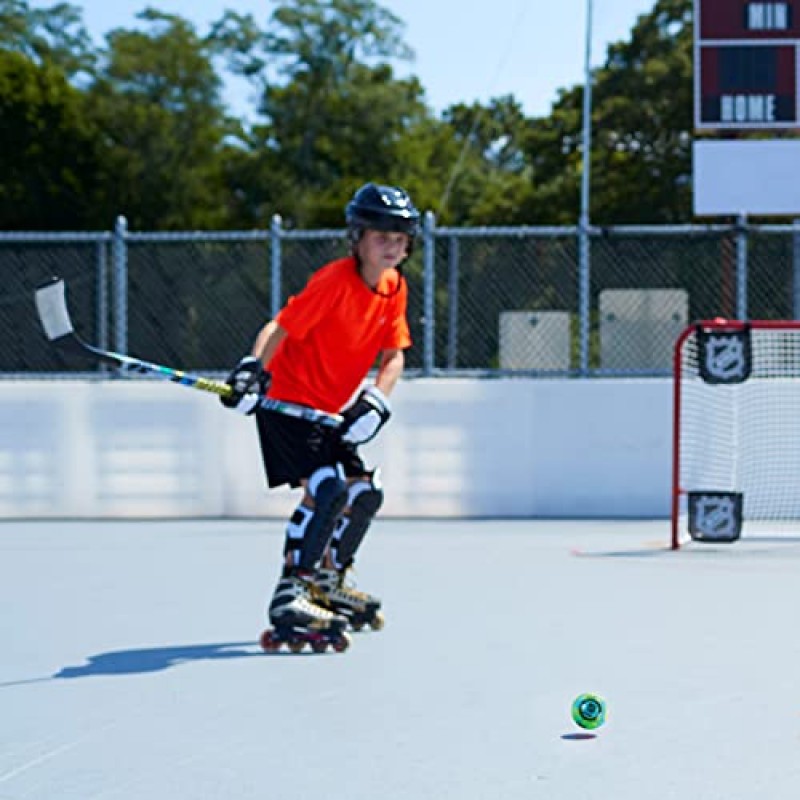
[381, 208]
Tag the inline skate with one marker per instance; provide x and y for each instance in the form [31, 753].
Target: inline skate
[298, 620]
[340, 596]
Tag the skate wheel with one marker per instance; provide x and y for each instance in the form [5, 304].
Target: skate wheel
[296, 646]
[357, 626]
[341, 644]
[377, 622]
[268, 643]
[319, 647]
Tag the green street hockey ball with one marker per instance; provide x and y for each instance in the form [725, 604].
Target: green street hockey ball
[589, 711]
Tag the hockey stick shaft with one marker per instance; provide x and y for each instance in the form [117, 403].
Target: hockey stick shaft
[53, 312]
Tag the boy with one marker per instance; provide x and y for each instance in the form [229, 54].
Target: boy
[317, 352]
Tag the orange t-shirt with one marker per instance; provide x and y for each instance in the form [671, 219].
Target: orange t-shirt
[336, 327]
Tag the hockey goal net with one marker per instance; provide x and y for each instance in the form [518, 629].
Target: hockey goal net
[736, 431]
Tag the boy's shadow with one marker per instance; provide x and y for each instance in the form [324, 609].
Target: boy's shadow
[151, 659]
[155, 659]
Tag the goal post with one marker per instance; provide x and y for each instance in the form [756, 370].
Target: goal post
[736, 431]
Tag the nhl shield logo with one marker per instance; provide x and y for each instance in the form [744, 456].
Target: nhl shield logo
[724, 356]
[715, 516]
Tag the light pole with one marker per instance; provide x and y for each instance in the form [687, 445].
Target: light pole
[584, 282]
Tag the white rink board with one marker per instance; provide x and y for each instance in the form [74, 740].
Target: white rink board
[454, 448]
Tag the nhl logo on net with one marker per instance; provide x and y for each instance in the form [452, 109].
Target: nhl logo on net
[715, 516]
[724, 356]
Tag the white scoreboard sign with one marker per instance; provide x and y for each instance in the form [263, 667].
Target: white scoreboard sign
[746, 64]
[758, 177]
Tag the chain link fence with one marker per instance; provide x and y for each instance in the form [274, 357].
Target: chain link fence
[486, 301]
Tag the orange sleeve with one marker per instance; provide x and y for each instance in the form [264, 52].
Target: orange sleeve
[398, 336]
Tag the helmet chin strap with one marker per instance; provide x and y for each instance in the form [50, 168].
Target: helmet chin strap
[373, 289]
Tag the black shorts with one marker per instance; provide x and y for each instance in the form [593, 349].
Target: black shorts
[293, 449]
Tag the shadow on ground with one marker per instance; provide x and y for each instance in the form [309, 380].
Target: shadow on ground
[150, 659]
[155, 659]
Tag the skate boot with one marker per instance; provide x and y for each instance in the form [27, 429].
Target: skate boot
[343, 598]
[297, 619]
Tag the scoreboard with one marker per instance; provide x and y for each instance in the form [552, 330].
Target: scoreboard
[746, 64]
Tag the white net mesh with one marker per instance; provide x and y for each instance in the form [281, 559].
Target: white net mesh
[740, 435]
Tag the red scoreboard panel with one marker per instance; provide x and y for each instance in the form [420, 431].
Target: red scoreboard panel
[743, 19]
[746, 64]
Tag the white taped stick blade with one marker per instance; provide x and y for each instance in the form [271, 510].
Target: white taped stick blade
[51, 303]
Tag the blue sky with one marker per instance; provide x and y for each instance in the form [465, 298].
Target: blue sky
[465, 51]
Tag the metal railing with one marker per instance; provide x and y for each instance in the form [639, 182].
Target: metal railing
[488, 301]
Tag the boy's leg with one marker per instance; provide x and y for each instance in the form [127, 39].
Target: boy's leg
[312, 524]
[291, 450]
[364, 499]
[307, 535]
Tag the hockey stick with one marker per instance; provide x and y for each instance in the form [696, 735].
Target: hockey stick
[51, 304]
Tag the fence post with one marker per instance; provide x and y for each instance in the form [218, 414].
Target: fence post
[428, 276]
[584, 292]
[741, 267]
[101, 333]
[120, 284]
[796, 268]
[453, 301]
[275, 240]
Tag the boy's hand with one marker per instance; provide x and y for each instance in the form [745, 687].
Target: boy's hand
[249, 382]
[363, 420]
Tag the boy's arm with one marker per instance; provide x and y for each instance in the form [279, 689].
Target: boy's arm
[390, 369]
[267, 341]
[249, 379]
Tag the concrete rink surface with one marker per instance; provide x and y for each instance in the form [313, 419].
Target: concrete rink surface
[130, 668]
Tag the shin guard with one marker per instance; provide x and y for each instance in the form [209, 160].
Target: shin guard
[310, 529]
[364, 498]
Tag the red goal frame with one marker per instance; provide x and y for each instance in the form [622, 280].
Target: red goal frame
[718, 324]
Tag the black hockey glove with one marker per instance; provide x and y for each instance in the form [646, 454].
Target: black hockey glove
[366, 416]
[249, 382]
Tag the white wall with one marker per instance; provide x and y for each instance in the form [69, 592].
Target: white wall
[454, 447]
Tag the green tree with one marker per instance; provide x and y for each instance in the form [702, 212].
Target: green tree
[334, 114]
[489, 181]
[644, 121]
[52, 161]
[157, 100]
[641, 131]
[55, 36]
[156, 144]
[318, 46]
